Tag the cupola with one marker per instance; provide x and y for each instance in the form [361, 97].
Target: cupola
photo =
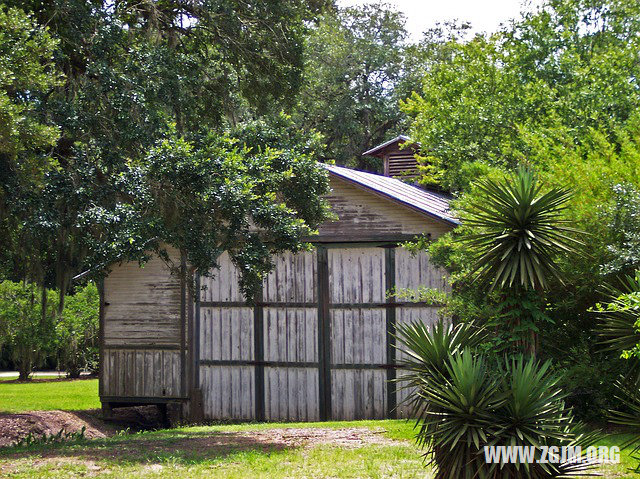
[398, 160]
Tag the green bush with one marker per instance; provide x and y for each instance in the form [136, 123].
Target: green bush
[27, 318]
[77, 331]
[464, 400]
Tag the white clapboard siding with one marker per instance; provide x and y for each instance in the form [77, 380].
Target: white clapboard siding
[362, 213]
[142, 333]
[142, 304]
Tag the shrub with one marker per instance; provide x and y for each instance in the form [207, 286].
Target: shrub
[464, 400]
[27, 316]
[77, 331]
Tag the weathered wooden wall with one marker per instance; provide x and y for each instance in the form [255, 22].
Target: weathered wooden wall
[363, 214]
[317, 344]
[142, 331]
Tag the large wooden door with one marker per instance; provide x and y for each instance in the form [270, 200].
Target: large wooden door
[357, 329]
[317, 344]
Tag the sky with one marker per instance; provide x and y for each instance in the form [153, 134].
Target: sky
[484, 15]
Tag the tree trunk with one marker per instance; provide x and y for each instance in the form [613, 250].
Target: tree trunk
[24, 365]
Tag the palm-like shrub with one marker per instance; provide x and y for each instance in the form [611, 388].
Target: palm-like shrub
[464, 400]
[620, 332]
[620, 318]
[518, 231]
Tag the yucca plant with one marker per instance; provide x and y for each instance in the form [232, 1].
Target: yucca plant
[619, 330]
[519, 231]
[464, 401]
[620, 318]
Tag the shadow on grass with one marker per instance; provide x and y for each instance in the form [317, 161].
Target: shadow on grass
[175, 447]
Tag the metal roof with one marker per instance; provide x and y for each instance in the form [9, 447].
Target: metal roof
[426, 202]
[375, 149]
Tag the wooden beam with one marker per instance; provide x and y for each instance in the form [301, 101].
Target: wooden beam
[324, 334]
[300, 305]
[359, 240]
[390, 284]
[183, 325]
[258, 352]
[101, 338]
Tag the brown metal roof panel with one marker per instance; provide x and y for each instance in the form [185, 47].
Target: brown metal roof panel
[428, 202]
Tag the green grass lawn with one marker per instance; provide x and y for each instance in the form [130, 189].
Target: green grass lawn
[235, 451]
[229, 451]
[41, 395]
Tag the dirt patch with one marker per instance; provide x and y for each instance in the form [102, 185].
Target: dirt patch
[14, 427]
[226, 442]
[309, 437]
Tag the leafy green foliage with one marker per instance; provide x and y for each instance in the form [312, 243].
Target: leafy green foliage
[144, 113]
[77, 332]
[620, 318]
[209, 196]
[518, 231]
[464, 401]
[353, 64]
[623, 217]
[27, 73]
[27, 316]
[569, 66]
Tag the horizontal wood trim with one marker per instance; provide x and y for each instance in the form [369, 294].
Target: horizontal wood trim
[358, 240]
[135, 400]
[144, 347]
[268, 364]
[281, 304]
[292, 364]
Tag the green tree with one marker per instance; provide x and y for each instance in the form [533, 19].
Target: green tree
[569, 64]
[215, 194]
[27, 76]
[354, 61]
[27, 324]
[557, 89]
[516, 232]
[77, 331]
[134, 76]
[27, 73]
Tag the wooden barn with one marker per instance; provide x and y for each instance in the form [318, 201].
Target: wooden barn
[316, 345]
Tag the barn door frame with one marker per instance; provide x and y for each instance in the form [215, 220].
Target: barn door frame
[324, 327]
[322, 363]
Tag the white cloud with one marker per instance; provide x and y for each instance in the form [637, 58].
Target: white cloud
[484, 15]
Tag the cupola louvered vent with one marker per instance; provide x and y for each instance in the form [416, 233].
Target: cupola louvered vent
[398, 158]
[402, 164]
